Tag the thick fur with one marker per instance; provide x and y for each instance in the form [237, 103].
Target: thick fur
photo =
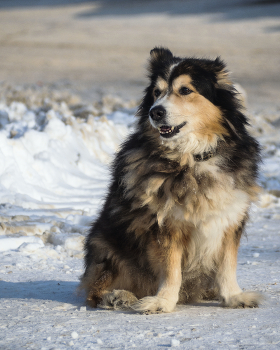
[170, 228]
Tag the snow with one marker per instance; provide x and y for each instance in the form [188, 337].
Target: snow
[74, 335]
[175, 342]
[53, 176]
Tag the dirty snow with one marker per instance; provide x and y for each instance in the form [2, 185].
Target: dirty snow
[53, 176]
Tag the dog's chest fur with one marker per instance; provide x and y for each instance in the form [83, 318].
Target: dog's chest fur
[198, 200]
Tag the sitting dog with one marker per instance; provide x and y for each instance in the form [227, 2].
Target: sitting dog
[181, 188]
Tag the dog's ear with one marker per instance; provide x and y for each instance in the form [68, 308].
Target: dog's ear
[160, 53]
[159, 59]
[222, 74]
[224, 82]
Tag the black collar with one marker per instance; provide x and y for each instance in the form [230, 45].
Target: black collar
[204, 156]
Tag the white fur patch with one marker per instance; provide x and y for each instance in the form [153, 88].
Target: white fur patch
[245, 299]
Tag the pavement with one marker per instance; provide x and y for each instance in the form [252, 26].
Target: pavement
[101, 47]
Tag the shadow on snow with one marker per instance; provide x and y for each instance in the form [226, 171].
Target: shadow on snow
[61, 291]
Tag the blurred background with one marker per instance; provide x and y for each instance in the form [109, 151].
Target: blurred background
[93, 48]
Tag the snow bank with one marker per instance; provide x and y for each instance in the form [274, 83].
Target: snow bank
[54, 172]
[29, 243]
[51, 158]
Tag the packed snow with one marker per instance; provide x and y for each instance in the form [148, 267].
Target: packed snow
[54, 171]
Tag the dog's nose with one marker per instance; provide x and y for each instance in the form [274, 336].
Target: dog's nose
[157, 113]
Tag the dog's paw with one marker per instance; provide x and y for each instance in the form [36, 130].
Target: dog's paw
[153, 305]
[117, 300]
[243, 300]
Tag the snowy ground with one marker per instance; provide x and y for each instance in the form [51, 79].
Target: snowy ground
[55, 150]
[54, 160]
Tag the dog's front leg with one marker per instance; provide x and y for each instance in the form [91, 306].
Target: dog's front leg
[170, 282]
[231, 294]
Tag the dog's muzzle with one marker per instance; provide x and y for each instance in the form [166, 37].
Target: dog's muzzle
[158, 114]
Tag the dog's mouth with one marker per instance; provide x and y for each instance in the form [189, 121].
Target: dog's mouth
[167, 131]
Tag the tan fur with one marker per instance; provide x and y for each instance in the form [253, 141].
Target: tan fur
[203, 129]
[204, 118]
[96, 288]
[165, 258]
[161, 85]
[223, 79]
[229, 290]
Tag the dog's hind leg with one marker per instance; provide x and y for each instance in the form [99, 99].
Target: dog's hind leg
[118, 299]
[169, 264]
[99, 282]
[229, 290]
[95, 281]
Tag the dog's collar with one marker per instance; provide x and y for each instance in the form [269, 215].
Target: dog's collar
[204, 156]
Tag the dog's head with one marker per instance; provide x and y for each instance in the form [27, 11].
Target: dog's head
[187, 100]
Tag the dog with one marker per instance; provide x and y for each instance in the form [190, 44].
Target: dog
[182, 185]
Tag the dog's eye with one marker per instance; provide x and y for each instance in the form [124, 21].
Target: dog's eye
[184, 91]
[157, 92]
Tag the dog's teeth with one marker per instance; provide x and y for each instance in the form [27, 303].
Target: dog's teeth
[163, 130]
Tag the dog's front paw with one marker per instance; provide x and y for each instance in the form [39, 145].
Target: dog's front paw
[117, 299]
[245, 299]
[153, 305]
